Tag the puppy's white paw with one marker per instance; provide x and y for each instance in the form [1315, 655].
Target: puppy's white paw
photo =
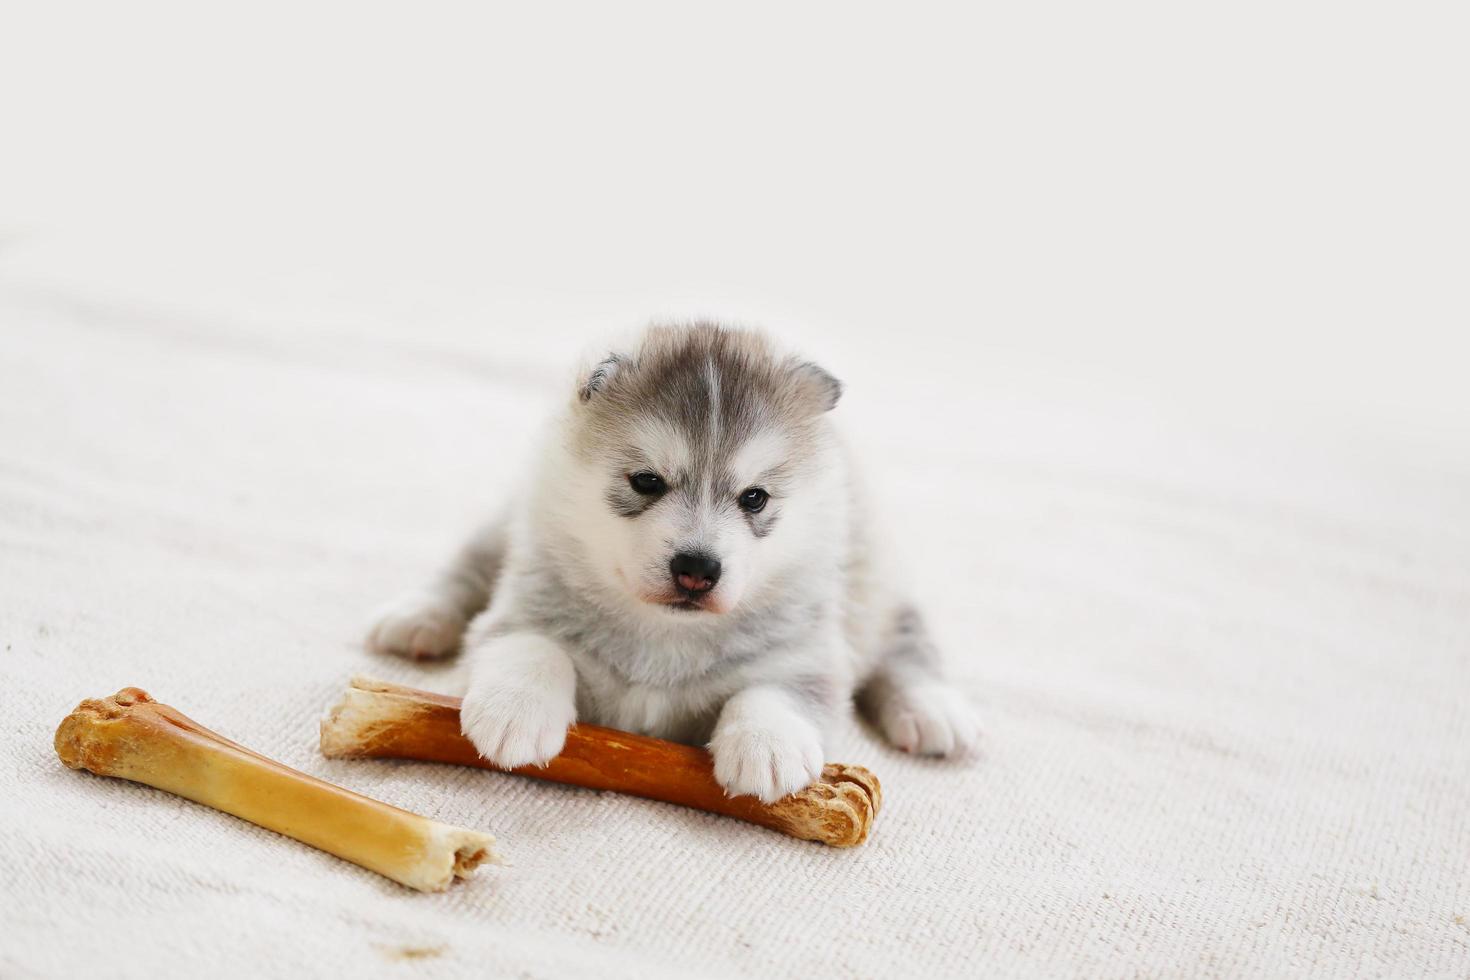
[931, 719]
[763, 746]
[520, 702]
[421, 626]
[513, 727]
[766, 764]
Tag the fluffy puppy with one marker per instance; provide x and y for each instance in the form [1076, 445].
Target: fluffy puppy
[691, 561]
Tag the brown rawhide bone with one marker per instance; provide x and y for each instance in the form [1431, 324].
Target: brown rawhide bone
[131, 736]
[375, 719]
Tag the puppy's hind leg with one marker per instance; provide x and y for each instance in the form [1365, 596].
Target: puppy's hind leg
[908, 698]
[430, 622]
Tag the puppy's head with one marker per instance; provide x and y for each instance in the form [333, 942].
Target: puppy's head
[696, 459]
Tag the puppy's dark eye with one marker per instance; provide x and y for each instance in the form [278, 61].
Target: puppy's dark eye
[647, 483]
[752, 500]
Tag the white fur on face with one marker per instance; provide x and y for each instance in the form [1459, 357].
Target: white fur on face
[630, 556]
[661, 447]
[763, 452]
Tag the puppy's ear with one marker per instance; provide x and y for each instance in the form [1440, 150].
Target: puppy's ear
[821, 390]
[601, 376]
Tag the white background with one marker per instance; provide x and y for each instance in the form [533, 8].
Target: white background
[1264, 199]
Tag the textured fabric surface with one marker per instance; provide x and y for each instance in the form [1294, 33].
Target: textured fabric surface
[1223, 663]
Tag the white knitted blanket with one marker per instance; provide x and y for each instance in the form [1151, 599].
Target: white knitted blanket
[1223, 663]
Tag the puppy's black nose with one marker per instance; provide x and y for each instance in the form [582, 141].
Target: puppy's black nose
[694, 572]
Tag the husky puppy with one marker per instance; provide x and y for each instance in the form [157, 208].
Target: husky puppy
[690, 561]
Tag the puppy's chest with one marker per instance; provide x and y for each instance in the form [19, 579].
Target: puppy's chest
[667, 693]
[678, 715]
[673, 684]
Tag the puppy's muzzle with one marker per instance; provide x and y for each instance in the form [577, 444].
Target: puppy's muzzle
[694, 574]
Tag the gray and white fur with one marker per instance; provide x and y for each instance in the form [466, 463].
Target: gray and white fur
[690, 560]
